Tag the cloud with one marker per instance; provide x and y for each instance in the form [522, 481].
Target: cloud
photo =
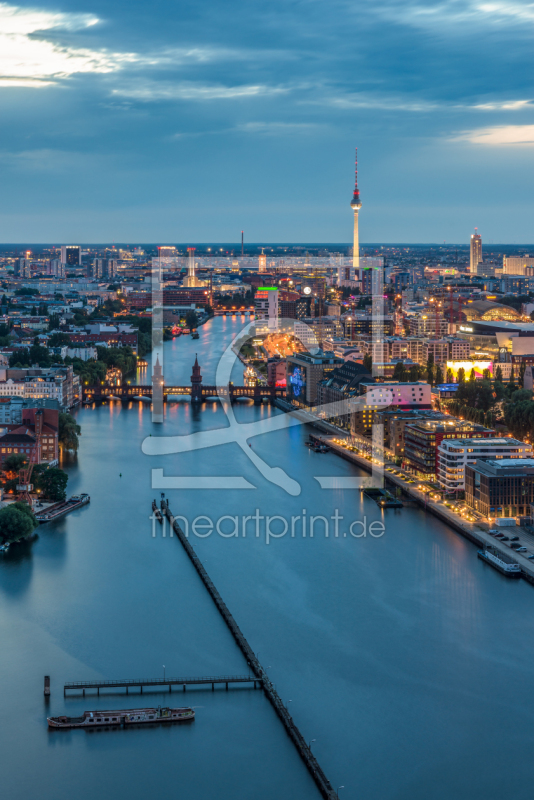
[150, 91]
[28, 58]
[457, 13]
[399, 103]
[500, 135]
[276, 128]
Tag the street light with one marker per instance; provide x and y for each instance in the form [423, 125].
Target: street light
[337, 790]
[163, 673]
[310, 743]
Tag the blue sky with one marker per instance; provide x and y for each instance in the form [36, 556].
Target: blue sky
[177, 122]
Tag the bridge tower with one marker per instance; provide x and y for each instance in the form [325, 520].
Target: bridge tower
[196, 383]
[158, 382]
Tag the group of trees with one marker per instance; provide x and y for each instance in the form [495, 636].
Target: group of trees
[49, 482]
[236, 300]
[519, 414]
[16, 522]
[68, 433]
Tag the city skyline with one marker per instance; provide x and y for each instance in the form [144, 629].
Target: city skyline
[203, 126]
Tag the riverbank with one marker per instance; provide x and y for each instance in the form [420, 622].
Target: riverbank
[472, 531]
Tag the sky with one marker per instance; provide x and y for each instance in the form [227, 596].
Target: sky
[185, 122]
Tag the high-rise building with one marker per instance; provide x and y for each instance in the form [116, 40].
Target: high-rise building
[475, 251]
[71, 256]
[266, 305]
[262, 262]
[22, 268]
[356, 204]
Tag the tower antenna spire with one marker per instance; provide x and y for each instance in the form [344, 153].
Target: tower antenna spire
[356, 196]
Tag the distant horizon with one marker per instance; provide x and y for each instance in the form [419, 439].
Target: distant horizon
[237, 245]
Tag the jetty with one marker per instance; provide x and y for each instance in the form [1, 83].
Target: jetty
[58, 510]
[141, 683]
[303, 748]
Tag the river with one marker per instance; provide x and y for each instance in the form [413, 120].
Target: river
[404, 658]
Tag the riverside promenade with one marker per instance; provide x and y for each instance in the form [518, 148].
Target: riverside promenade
[470, 530]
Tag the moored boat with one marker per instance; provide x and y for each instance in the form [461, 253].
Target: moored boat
[129, 716]
[500, 561]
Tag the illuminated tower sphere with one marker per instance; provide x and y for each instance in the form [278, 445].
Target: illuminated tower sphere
[475, 253]
[356, 204]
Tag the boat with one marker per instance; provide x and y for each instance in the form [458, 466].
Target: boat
[195, 335]
[129, 716]
[63, 507]
[500, 561]
[4, 547]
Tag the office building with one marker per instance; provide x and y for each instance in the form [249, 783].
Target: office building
[304, 372]
[475, 252]
[517, 265]
[422, 440]
[455, 454]
[500, 488]
[71, 256]
[266, 305]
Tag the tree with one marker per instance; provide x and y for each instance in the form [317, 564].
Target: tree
[59, 340]
[522, 368]
[53, 322]
[34, 311]
[52, 483]
[191, 319]
[439, 375]
[16, 522]
[15, 462]
[498, 372]
[430, 368]
[450, 376]
[400, 372]
[69, 430]
[511, 382]
[472, 376]
[461, 375]
[368, 362]
[414, 373]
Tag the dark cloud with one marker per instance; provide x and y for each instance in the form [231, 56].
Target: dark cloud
[154, 113]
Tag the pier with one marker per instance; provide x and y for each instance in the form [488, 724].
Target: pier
[141, 683]
[303, 748]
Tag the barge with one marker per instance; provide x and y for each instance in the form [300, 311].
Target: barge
[130, 716]
[500, 561]
[64, 507]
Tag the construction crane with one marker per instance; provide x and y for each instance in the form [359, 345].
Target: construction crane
[24, 487]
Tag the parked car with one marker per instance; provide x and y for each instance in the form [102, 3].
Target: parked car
[521, 549]
[505, 539]
[514, 538]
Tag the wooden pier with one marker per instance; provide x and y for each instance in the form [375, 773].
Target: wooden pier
[303, 748]
[81, 686]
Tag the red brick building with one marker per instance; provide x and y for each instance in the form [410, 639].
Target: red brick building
[36, 438]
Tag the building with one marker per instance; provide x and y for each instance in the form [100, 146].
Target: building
[12, 408]
[423, 439]
[10, 387]
[71, 256]
[36, 437]
[517, 265]
[393, 394]
[262, 262]
[266, 305]
[455, 454]
[514, 284]
[343, 384]
[426, 325]
[487, 310]
[503, 488]
[475, 252]
[304, 372]
[438, 349]
[276, 371]
[22, 268]
[356, 205]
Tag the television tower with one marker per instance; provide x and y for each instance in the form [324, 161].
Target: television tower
[356, 204]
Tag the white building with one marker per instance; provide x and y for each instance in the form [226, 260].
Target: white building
[266, 305]
[454, 454]
[11, 388]
[305, 335]
[516, 265]
[84, 353]
[394, 393]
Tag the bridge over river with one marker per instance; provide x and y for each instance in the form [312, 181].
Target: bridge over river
[196, 390]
